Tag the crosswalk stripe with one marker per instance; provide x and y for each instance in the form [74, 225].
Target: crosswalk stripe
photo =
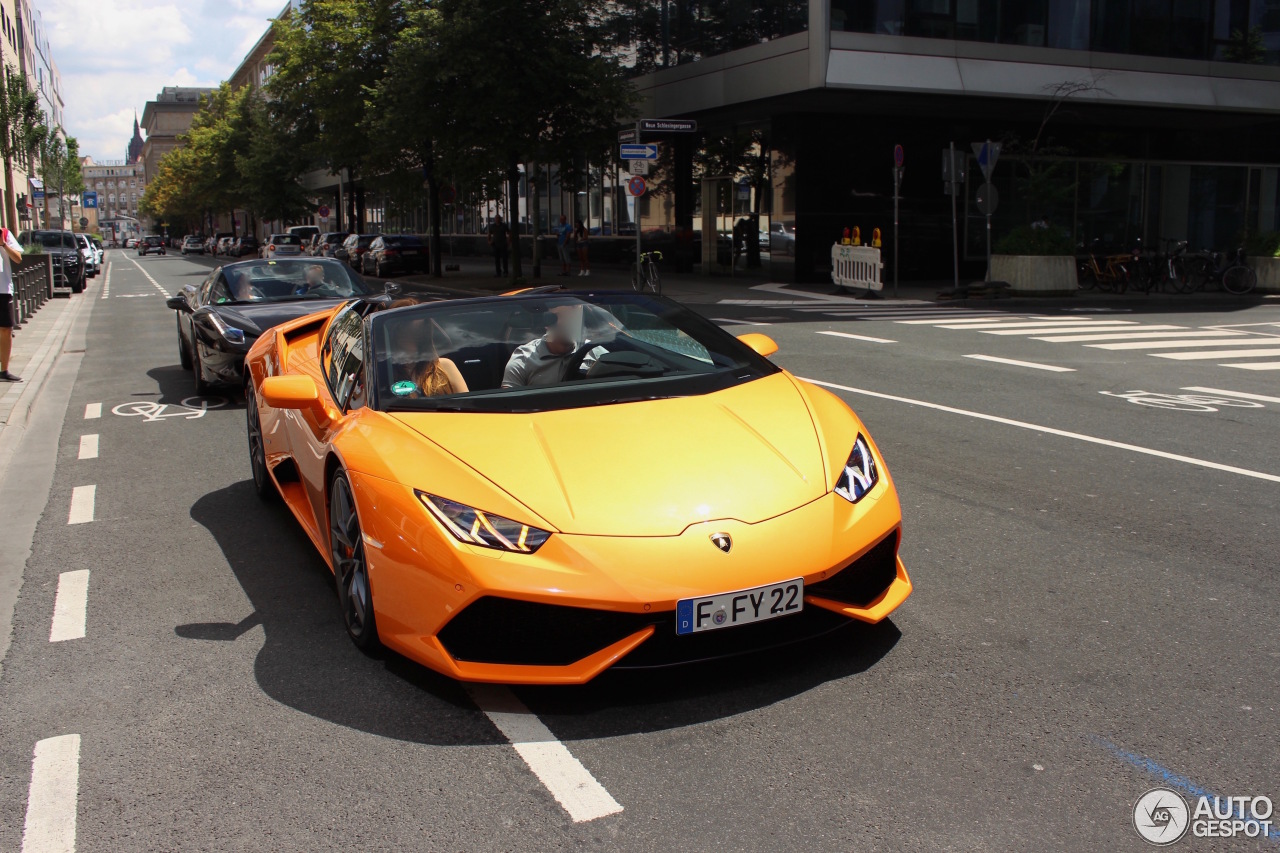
[1241, 394]
[1042, 330]
[1204, 356]
[1065, 322]
[1225, 342]
[1257, 365]
[1130, 335]
[1055, 368]
[936, 320]
[859, 337]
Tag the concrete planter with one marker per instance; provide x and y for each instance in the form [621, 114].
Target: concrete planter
[1036, 275]
[1268, 270]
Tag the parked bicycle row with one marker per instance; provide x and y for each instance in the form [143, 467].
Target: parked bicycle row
[1173, 270]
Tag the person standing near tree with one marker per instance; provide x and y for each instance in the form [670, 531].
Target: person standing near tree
[564, 233]
[11, 254]
[580, 237]
[499, 235]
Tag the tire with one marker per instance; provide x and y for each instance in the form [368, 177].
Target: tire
[263, 485]
[350, 569]
[184, 355]
[197, 368]
[1084, 277]
[1239, 279]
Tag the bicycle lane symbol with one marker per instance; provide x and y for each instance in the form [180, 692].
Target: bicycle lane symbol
[192, 408]
[1182, 402]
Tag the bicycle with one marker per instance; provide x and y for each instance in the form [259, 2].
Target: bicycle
[1235, 276]
[1151, 272]
[646, 276]
[1112, 277]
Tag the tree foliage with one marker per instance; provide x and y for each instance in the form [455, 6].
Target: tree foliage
[22, 127]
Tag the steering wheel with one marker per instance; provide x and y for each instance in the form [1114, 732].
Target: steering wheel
[573, 364]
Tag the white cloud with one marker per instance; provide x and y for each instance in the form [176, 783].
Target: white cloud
[115, 55]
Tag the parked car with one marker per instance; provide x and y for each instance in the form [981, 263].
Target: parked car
[354, 247]
[305, 233]
[394, 253]
[90, 256]
[97, 244]
[282, 246]
[151, 243]
[68, 262]
[324, 245]
[192, 245]
[130, 242]
[245, 244]
[782, 238]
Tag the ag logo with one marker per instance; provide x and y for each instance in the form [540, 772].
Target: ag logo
[1161, 816]
[723, 541]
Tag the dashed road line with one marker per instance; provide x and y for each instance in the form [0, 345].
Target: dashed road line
[731, 322]
[92, 410]
[573, 786]
[50, 825]
[1013, 361]
[155, 283]
[1241, 394]
[866, 338]
[89, 446]
[69, 606]
[82, 498]
[106, 282]
[1062, 433]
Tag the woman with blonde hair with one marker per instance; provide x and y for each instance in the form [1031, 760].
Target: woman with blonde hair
[413, 375]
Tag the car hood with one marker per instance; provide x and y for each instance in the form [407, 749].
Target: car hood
[256, 318]
[645, 469]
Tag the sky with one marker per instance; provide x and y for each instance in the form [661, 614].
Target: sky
[115, 55]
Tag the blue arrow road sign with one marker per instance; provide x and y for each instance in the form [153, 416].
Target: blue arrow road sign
[638, 152]
[90, 199]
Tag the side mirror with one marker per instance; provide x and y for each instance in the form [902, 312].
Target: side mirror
[762, 344]
[291, 392]
[177, 303]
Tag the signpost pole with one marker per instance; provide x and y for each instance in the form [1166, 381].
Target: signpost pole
[637, 210]
[988, 179]
[955, 231]
[897, 188]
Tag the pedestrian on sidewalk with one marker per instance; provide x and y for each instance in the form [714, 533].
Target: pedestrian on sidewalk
[11, 255]
[564, 234]
[498, 241]
[580, 237]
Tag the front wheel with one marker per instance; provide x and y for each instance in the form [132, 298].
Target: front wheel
[1239, 279]
[257, 448]
[184, 355]
[654, 280]
[350, 569]
[197, 367]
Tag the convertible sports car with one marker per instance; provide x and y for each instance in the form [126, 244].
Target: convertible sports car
[221, 318]
[534, 488]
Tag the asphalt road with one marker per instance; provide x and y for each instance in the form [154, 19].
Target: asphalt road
[1094, 614]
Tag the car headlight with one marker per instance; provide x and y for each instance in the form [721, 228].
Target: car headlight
[859, 475]
[476, 527]
[229, 333]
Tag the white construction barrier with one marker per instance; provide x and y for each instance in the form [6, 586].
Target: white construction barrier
[856, 267]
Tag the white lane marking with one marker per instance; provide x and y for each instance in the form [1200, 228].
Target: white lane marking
[149, 278]
[51, 800]
[1048, 321]
[1055, 368]
[69, 606]
[569, 782]
[92, 410]
[733, 322]
[1241, 394]
[866, 338]
[82, 504]
[957, 317]
[1146, 334]
[1226, 353]
[1105, 442]
[1217, 342]
[1050, 330]
[106, 281]
[1257, 365]
[89, 446]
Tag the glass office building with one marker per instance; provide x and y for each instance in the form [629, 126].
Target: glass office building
[1121, 120]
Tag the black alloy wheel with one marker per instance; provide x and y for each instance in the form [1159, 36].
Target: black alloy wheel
[262, 483]
[184, 354]
[350, 570]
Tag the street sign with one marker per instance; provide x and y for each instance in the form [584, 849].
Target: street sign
[987, 199]
[897, 156]
[627, 135]
[637, 185]
[953, 166]
[324, 212]
[90, 199]
[639, 167]
[744, 190]
[84, 222]
[638, 152]
[37, 195]
[668, 125]
[987, 153]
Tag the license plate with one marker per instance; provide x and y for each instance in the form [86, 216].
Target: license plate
[411, 252]
[739, 608]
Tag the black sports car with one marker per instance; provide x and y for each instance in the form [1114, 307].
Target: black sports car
[220, 318]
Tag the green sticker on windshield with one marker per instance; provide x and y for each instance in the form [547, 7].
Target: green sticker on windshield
[403, 389]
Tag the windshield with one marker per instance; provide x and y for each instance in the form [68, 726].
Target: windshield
[53, 238]
[286, 239]
[541, 353]
[286, 281]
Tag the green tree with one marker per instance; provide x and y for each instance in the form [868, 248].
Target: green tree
[22, 127]
[270, 163]
[1248, 47]
[59, 168]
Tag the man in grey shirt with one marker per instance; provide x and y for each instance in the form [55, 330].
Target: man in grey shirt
[542, 361]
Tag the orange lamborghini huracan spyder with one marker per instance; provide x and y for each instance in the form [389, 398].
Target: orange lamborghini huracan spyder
[535, 488]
